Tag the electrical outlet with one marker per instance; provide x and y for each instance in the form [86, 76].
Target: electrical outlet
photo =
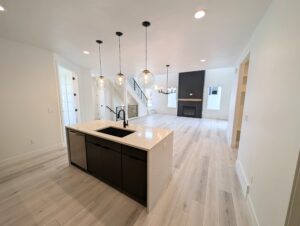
[246, 118]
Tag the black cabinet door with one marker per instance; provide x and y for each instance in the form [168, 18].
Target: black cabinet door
[110, 166]
[135, 177]
[105, 164]
[93, 155]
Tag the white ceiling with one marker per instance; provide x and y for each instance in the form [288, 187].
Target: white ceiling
[68, 27]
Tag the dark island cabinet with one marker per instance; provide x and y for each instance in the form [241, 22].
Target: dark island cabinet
[93, 154]
[120, 166]
[110, 167]
[134, 164]
[104, 162]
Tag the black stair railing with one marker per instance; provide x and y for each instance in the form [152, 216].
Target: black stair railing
[137, 89]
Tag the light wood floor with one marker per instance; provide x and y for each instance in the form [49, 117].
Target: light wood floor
[204, 191]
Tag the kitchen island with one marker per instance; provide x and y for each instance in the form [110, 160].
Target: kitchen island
[135, 160]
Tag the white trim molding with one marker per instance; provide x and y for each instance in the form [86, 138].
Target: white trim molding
[242, 178]
[252, 211]
[245, 185]
[32, 153]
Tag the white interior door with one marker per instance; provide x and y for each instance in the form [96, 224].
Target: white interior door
[68, 83]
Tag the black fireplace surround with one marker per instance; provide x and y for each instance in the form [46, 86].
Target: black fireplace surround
[189, 109]
[190, 94]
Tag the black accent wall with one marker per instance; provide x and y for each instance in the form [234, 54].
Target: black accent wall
[190, 94]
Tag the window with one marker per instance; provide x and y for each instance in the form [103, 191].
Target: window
[172, 102]
[214, 98]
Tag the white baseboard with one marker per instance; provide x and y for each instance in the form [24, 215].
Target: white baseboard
[32, 153]
[252, 211]
[242, 177]
[245, 190]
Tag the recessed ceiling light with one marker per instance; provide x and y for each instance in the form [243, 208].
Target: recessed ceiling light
[86, 52]
[2, 8]
[203, 60]
[200, 14]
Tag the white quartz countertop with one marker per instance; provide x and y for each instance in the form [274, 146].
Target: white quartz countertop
[143, 138]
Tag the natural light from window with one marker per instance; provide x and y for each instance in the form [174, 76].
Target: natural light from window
[172, 102]
[214, 98]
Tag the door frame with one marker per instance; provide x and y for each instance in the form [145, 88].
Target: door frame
[239, 112]
[295, 198]
[58, 64]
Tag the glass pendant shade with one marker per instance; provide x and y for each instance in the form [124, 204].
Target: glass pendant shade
[101, 79]
[146, 78]
[120, 78]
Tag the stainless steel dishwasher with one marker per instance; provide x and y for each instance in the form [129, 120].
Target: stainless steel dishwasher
[77, 149]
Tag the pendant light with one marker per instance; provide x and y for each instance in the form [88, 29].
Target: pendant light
[146, 78]
[168, 90]
[120, 78]
[101, 77]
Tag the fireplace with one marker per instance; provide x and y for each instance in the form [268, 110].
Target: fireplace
[189, 111]
[190, 108]
[190, 94]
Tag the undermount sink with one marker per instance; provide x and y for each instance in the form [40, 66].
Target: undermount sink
[115, 131]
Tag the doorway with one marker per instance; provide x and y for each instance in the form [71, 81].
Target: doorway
[69, 99]
[293, 216]
[240, 102]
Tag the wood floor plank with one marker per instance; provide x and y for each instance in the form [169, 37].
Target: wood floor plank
[204, 191]
[227, 212]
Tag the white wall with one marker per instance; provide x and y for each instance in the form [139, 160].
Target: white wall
[223, 77]
[29, 97]
[28, 100]
[270, 142]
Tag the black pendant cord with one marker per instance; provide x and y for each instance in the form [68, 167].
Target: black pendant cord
[100, 63]
[146, 24]
[120, 55]
[146, 48]
[167, 78]
[119, 34]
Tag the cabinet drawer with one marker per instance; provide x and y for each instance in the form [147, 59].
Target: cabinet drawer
[104, 143]
[135, 153]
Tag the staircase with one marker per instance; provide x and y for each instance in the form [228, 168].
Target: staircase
[138, 91]
[137, 102]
